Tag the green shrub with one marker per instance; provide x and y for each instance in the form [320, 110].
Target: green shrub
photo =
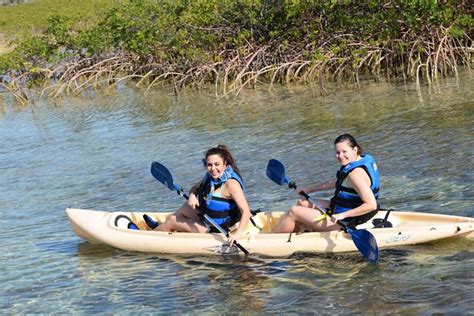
[186, 33]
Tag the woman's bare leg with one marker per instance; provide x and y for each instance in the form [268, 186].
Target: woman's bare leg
[304, 213]
[184, 220]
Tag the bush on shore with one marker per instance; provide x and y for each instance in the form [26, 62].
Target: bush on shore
[234, 44]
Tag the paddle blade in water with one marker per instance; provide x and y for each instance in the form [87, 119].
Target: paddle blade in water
[163, 175]
[366, 244]
[276, 172]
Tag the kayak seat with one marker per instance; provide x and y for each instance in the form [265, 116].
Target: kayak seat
[150, 221]
[382, 222]
[123, 221]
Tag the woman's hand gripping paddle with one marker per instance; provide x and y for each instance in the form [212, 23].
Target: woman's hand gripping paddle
[162, 174]
[363, 239]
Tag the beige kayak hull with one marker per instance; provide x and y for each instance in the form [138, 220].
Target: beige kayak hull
[408, 228]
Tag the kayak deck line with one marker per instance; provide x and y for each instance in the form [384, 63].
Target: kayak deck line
[409, 228]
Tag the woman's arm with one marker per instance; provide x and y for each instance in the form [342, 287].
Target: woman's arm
[193, 201]
[328, 185]
[360, 181]
[237, 194]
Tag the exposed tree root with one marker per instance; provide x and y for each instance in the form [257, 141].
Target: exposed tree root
[422, 59]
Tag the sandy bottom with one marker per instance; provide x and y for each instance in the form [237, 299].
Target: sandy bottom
[4, 46]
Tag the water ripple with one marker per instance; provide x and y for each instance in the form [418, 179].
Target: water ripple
[96, 152]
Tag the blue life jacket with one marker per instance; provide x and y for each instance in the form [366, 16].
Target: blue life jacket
[347, 198]
[224, 212]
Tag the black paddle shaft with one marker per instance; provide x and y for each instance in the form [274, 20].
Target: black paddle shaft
[218, 227]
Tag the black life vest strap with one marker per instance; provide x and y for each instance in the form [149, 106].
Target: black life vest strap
[340, 178]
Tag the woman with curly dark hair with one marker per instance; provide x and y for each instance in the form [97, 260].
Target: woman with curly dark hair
[220, 195]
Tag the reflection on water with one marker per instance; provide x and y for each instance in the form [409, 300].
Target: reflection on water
[95, 152]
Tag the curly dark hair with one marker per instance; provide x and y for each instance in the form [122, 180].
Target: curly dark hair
[223, 152]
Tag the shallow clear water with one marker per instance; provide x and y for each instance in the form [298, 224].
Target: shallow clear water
[95, 152]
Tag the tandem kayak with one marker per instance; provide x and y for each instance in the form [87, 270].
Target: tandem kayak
[407, 228]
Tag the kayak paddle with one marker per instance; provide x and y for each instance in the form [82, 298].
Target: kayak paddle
[162, 174]
[363, 239]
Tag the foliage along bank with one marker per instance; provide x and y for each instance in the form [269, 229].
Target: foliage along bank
[234, 44]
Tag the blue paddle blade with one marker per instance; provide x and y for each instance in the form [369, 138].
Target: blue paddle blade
[276, 172]
[163, 175]
[365, 243]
